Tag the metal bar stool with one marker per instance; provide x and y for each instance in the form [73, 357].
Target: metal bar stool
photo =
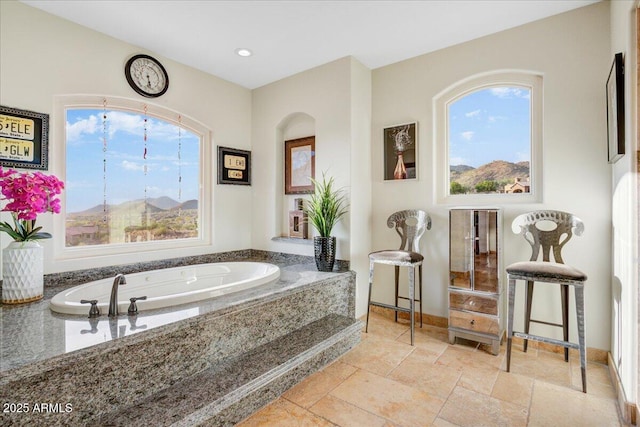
[410, 226]
[550, 272]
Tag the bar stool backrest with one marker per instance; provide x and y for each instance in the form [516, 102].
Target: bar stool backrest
[533, 227]
[410, 225]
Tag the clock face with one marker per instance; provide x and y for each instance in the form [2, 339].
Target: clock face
[146, 76]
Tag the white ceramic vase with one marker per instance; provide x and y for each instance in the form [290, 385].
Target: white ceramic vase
[22, 272]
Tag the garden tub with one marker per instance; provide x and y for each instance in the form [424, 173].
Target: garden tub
[167, 287]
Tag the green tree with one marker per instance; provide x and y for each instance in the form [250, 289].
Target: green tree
[457, 188]
[487, 186]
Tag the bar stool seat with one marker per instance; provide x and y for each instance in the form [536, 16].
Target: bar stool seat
[401, 258]
[545, 271]
[549, 272]
[410, 225]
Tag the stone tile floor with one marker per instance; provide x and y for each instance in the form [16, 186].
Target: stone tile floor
[386, 382]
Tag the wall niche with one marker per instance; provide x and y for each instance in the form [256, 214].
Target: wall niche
[294, 126]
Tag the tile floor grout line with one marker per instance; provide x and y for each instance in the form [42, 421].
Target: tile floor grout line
[362, 409]
[310, 411]
[533, 383]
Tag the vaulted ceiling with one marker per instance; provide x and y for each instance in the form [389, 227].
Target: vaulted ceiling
[287, 37]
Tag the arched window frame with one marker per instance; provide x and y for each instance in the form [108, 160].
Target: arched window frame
[64, 102]
[530, 80]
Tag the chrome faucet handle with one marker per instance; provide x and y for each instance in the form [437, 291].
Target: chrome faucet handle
[94, 311]
[133, 308]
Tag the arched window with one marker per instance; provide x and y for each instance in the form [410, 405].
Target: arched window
[488, 139]
[134, 178]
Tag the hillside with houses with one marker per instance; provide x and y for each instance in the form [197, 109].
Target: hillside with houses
[498, 176]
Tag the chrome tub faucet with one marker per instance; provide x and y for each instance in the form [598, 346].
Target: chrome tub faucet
[113, 302]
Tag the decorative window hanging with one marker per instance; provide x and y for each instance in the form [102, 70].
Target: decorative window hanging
[105, 218]
[144, 158]
[180, 158]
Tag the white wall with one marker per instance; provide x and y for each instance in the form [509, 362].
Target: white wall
[332, 102]
[361, 212]
[572, 52]
[43, 56]
[323, 94]
[624, 291]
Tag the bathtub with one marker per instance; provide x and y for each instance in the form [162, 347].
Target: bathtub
[167, 287]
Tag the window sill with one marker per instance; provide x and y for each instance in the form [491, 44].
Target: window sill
[295, 240]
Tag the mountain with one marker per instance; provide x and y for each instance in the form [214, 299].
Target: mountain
[456, 170]
[460, 168]
[136, 206]
[158, 204]
[164, 202]
[189, 204]
[498, 170]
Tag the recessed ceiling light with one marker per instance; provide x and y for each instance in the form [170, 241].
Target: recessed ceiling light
[244, 52]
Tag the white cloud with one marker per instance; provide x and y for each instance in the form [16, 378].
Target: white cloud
[467, 135]
[128, 123]
[87, 126]
[493, 119]
[118, 121]
[510, 92]
[132, 166]
[473, 113]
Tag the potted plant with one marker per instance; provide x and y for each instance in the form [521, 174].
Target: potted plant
[29, 194]
[325, 208]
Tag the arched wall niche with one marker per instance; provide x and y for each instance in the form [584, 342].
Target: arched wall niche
[294, 126]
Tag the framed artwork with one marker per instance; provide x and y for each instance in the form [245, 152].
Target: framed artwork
[400, 159]
[615, 110]
[299, 165]
[234, 166]
[24, 139]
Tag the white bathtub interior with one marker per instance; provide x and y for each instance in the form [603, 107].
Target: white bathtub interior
[168, 287]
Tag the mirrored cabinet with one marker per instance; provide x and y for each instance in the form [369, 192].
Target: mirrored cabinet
[475, 266]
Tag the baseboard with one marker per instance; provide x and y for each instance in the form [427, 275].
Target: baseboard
[593, 354]
[628, 410]
[441, 322]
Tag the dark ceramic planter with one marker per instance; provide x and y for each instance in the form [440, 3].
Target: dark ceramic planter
[325, 252]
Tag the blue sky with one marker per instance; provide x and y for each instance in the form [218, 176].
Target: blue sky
[126, 179]
[490, 124]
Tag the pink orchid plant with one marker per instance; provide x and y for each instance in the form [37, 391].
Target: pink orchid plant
[29, 194]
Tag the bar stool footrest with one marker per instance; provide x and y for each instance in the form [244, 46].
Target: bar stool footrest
[389, 306]
[546, 340]
[407, 298]
[542, 322]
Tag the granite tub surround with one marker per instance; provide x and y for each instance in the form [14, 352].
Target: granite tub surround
[137, 362]
[226, 393]
[31, 332]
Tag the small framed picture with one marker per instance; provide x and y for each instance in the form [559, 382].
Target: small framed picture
[24, 139]
[615, 110]
[234, 166]
[300, 165]
[400, 148]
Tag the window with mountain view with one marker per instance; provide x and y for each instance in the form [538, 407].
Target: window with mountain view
[489, 132]
[130, 178]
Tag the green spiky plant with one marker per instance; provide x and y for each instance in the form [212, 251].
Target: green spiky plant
[326, 206]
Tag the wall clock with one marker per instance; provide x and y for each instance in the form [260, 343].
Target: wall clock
[147, 76]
